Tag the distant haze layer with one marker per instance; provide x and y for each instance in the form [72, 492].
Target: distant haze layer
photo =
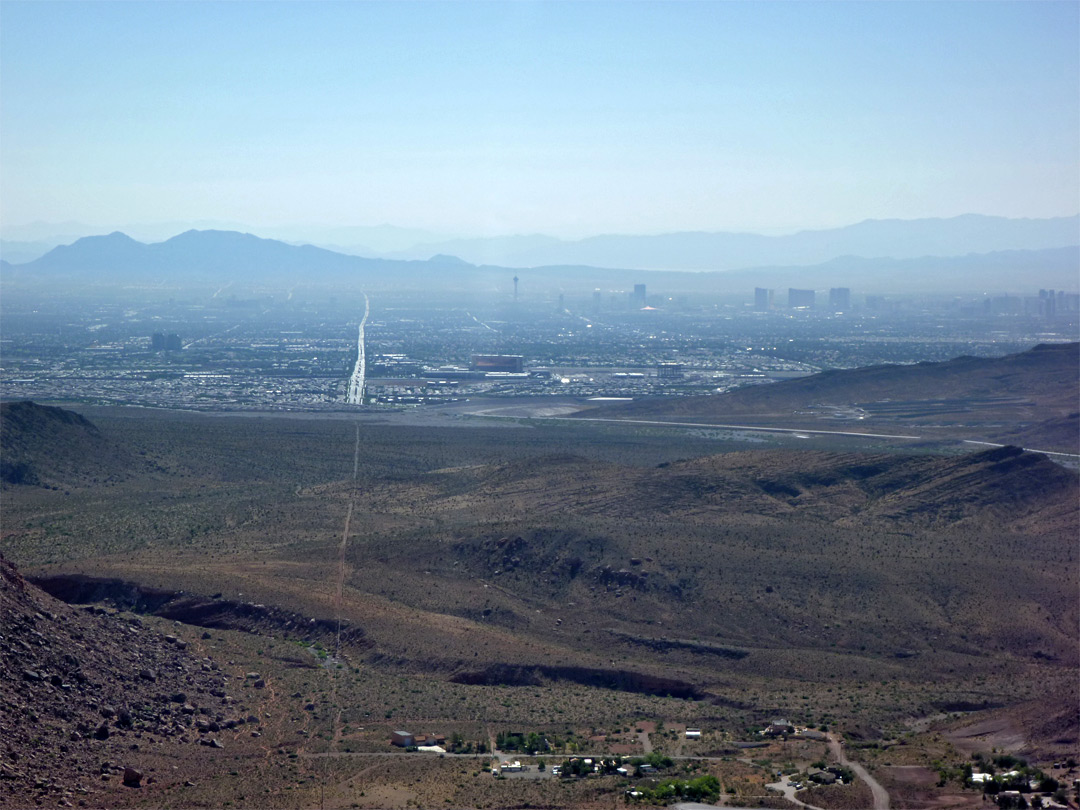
[699, 250]
[963, 253]
[897, 239]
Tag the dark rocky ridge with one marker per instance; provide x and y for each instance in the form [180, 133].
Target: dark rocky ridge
[52, 447]
[699, 647]
[619, 679]
[197, 610]
[1030, 396]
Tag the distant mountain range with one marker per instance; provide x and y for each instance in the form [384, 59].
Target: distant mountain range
[216, 257]
[696, 250]
[892, 238]
[16, 242]
[208, 256]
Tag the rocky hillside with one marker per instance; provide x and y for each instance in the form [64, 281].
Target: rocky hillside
[53, 447]
[1004, 485]
[1033, 395]
[757, 548]
[92, 705]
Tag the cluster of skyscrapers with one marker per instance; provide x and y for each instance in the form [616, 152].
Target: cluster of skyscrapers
[160, 342]
[636, 299]
[839, 299]
[1049, 304]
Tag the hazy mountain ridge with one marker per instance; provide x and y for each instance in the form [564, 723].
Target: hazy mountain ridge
[198, 255]
[688, 250]
[223, 256]
[20, 252]
[699, 250]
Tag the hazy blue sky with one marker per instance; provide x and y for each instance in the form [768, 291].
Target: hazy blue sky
[568, 118]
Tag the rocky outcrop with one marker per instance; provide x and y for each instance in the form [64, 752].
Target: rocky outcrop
[618, 679]
[201, 611]
[52, 447]
[83, 689]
